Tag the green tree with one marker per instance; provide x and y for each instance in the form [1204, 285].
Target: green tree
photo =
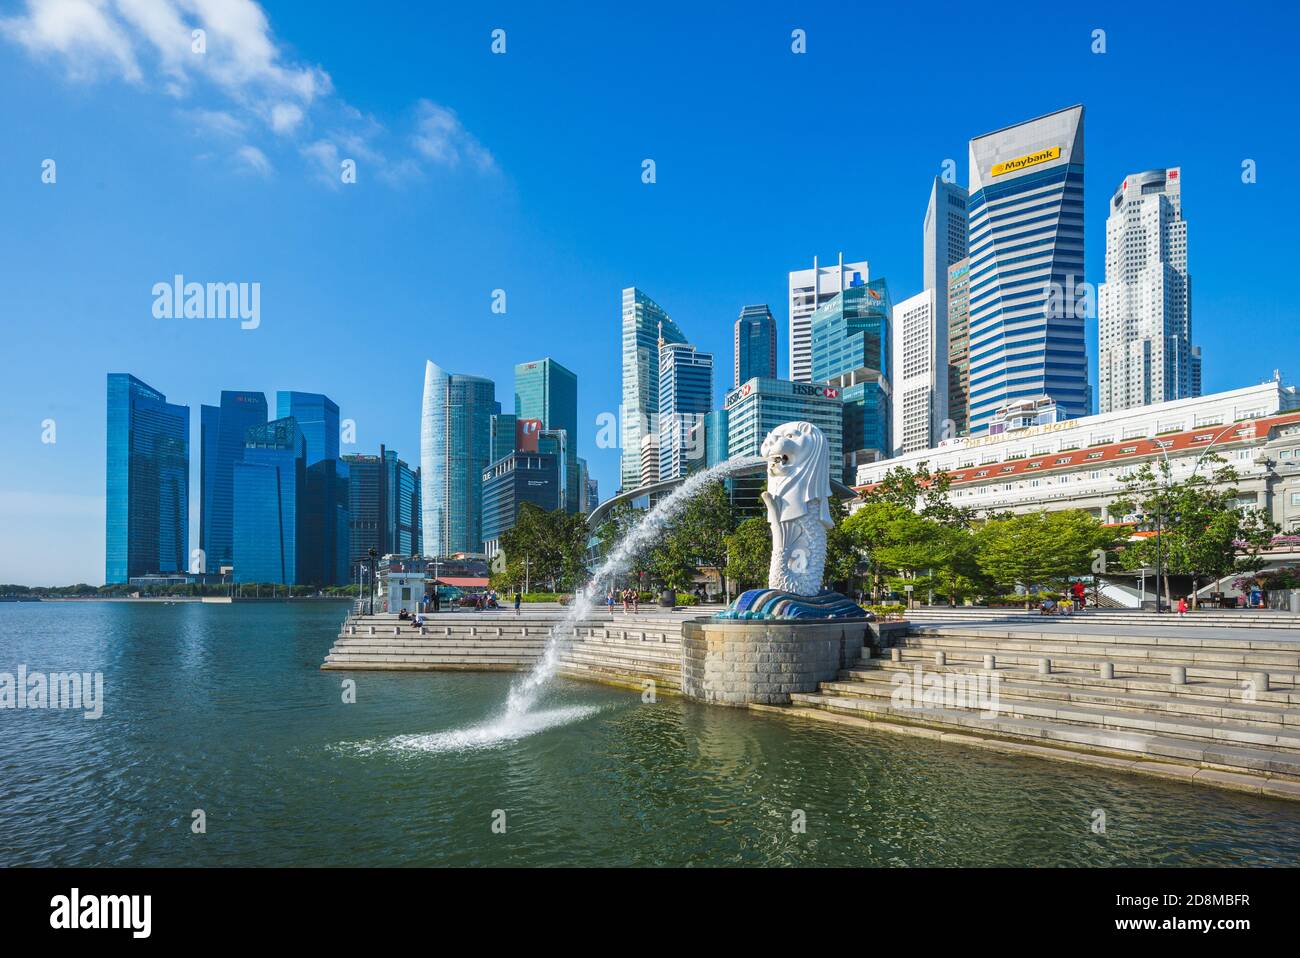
[921, 491]
[1041, 550]
[749, 552]
[1201, 531]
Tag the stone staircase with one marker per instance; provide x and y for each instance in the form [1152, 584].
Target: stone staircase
[608, 648]
[1229, 702]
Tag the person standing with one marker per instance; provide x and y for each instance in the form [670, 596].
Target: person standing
[1079, 593]
[519, 598]
[1182, 606]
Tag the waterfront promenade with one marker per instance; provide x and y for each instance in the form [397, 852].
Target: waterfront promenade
[1212, 699]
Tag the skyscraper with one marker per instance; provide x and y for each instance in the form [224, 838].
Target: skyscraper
[455, 448]
[508, 483]
[809, 289]
[685, 395]
[644, 324]
[222, 430]
[920, 376]
[1144, 320]
[383, 507]
[318, 418]
[547, 391]
[270, 500]
[147, 482]
[760, 405]
[755, 345]
[959, 347]
[943, 238]
[1026, 266]
[852, 350]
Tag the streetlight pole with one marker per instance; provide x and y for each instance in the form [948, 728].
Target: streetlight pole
[374, 573]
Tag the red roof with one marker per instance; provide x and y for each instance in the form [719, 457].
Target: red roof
[463, 582]
[1128, 449]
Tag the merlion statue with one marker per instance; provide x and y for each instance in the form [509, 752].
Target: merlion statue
[798, 506]
[798, 500]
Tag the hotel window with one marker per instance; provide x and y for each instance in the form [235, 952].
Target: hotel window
[1102, 440]
[1094, 455]
[1295, 498]
[1209, 421]
[1169, 427]
[1127, 449]
[1203, 437]
[1064, 460]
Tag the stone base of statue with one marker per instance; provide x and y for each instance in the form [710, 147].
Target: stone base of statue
[742, 662]
[785, 606]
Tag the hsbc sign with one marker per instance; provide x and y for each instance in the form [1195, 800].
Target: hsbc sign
[807, 389]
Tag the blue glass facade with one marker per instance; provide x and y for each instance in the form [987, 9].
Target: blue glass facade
[685, 396]
[520, 477]
[270, 489]
[755, 345]
[547, 391]
[383, 507]
[221, 444]
[147, 481]
[317, 417]
[851, 349]
[455, 448]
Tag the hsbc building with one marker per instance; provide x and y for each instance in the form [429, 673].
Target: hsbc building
[756, 407]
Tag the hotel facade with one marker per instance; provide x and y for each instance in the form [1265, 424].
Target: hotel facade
[1081, 463]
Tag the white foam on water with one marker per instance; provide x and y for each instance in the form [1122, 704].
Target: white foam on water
[492, 734]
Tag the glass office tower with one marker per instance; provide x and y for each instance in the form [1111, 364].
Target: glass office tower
[318, 418]
[1026, 267]
[685, 396]
[270, 494]
[755, 345]
[383, 507]
[221, 444]
[644, 324]
[852, 351]
[147, 482]
[547, 391]
[455, 449]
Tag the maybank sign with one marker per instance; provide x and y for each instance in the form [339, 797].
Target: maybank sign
[1022, 162]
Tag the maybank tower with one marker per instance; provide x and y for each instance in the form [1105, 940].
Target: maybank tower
[1027, 291]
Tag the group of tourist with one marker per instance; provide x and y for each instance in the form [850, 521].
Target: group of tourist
[630, 597]
[1075, 599]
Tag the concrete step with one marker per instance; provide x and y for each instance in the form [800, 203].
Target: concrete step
[1280, 677]
[1019, 701]
[1215, 753]
[1261, 716]
[1089, 678]
[1226, 643]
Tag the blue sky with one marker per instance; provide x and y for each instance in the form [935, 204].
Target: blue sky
[522, 171]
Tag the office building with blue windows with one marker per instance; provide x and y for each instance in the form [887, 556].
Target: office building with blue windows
[383, 507]
[547, 391]
[222, 430]
[147, 482]
[317, 417]
[852, 351]
[685, 396]
[509, 483]
[1026, 268]
[645, 325]
[270, 496]
[455, 448]
[755, 345]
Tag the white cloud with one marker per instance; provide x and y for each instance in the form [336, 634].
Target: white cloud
[441, 138]
[149, 44]
[254, 159]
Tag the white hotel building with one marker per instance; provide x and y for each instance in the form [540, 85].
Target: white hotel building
[1079, 463]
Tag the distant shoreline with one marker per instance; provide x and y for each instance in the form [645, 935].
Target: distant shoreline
[208, 599]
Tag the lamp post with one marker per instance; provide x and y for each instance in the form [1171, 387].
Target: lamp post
[374, 573]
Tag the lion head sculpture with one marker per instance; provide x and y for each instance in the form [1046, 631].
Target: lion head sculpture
[798, 471]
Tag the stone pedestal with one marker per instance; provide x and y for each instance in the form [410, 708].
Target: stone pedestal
[736, 662]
